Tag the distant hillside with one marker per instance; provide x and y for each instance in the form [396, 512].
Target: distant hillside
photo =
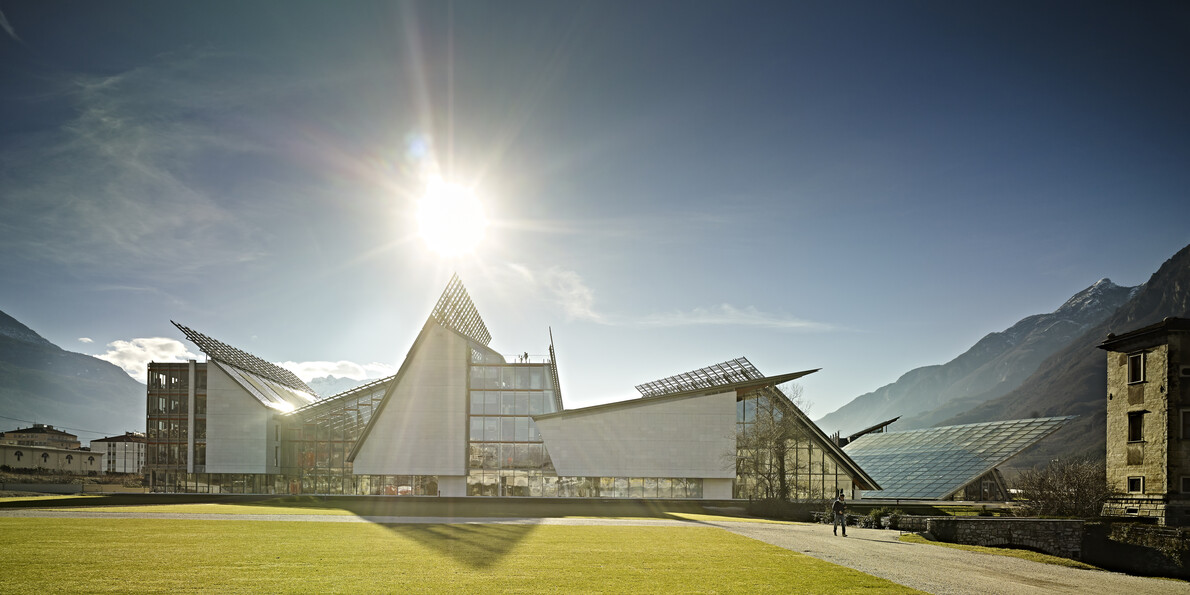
[41, 382]
[995, 365]
[327, 386]
[1073, 380]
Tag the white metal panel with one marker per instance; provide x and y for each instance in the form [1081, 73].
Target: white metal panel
[237, 427]
[422, 428]
[651, 437]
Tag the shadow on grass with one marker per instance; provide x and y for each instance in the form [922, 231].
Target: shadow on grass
[476, 546]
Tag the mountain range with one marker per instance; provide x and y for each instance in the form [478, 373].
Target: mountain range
[1044, 365]
[995, 365]
[333, 385]
[41, 382]
[1073, 381]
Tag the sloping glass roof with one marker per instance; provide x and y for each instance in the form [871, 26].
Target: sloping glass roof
[729, 372]
[347, 412]
[270, 393]
[934, 463]
[220, 351]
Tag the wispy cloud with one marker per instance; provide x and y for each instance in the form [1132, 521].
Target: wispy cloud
[126, 180]
[134, 355]
[85, 340]
[577, 300]
[729, 315]
[343, 369]
[4, 24]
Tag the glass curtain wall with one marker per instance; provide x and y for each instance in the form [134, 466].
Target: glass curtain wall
[317, 439]
[506, 456]
[776, 453]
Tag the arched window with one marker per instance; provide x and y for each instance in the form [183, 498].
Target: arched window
[18, 454]
[45, 457]
[69, 459]
[91, 460]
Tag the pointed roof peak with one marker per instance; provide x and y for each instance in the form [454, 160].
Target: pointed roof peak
[455, 311]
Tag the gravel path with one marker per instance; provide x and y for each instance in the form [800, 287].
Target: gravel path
[943, 570]
[929, 568]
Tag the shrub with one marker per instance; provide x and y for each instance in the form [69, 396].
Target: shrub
[1069, 488]
[874, 516]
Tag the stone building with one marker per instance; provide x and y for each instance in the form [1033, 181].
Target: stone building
[1148, 422]
[41, 435]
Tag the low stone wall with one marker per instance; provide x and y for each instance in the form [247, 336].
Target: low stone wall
[1060, 537]
[909, 523]
[1138, 549]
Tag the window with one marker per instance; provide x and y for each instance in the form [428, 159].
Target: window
[1186, 424]
[1136, 367]
[1186, 484]
[1136, 426]
[1136, 485]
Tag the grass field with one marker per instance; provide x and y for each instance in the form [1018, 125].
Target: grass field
[136, 555]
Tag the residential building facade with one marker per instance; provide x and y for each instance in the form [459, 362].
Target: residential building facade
[121, 454]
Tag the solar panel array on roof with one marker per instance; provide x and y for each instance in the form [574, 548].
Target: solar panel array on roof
[220, 351]
[934, 463]
[455, 310]
[269, 392]
[729, 372]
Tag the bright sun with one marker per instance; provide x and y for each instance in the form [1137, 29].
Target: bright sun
[450, 219]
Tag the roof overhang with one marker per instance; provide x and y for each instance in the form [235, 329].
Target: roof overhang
[741, 388]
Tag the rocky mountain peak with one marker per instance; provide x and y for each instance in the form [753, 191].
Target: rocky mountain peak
[1095, 302]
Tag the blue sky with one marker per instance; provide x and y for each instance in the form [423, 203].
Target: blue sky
[862, 187]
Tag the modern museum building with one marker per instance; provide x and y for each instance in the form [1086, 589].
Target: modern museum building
[460, 419]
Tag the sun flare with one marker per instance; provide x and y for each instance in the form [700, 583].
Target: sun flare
[450, 219]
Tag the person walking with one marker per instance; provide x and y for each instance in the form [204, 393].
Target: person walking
[839, 507]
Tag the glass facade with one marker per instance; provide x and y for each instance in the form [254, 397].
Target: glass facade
[506, 456]
[777, 452]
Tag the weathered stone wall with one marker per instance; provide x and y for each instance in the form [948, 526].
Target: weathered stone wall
[1060, 537]
[1138, 549]
[1147, 457]
[910, 523]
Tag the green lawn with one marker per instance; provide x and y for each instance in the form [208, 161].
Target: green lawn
[133, 555]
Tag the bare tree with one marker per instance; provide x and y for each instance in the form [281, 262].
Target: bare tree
[764, 442]
[1076, 487]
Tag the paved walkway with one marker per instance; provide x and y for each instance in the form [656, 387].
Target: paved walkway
[929, 568]
[943, 570]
